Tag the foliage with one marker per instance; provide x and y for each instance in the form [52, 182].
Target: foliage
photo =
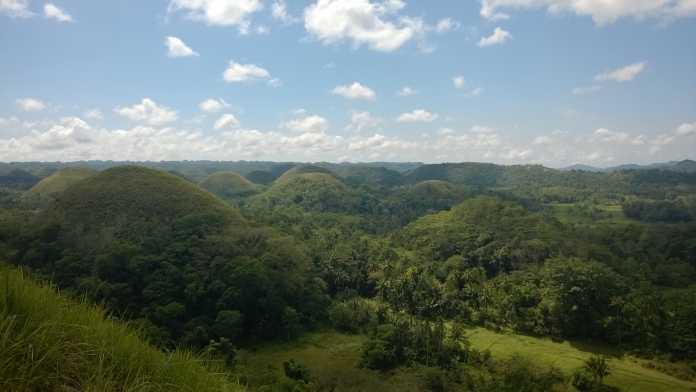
[49, 342]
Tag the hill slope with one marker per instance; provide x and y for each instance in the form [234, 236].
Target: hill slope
[61, 180]
[52, 343]
[228, 185]
[123, 199]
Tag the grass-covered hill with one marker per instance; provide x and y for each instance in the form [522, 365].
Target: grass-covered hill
[49, 342]
[155, 247]
[228, 185]
[61, 180]
[310, 191]
[371, 175]
[118, 201]
[303, 169]
[261, 177]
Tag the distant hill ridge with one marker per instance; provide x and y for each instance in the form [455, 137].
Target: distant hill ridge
[685, 166]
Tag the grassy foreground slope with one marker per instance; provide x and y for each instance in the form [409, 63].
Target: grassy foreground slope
[335, 355]
[49, 342]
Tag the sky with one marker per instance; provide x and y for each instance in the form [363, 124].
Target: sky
[552, 82]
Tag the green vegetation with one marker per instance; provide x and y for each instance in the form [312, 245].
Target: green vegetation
[60, 181]
[49, 342]
[228, 185]
[447, 277]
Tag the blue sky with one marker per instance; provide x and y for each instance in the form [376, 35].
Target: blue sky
[508, 81]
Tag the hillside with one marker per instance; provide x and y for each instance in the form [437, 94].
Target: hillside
[310, 191]
[61, 180]
[228, 185]
[51, 343]
[155, 247]
[140, 196]
[303, 169]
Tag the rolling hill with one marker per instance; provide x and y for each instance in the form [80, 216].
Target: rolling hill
[228, 185]
[61, 180]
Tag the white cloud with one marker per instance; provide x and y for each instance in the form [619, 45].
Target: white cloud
[498, 37]
[686, 129]
[219, 12]
[51, 11]
[608, 136]
[279, 11]
[602, 11]
[237, 72]
[585, 90]
[177, 48]
[31, 104]
[542, 140]
[482, 129]
[94, 114]
[362, 22]
[458, 82]
[624, 74]
[307, 124]
[148, 112]
[419, 115]
[355, 91]
[72, 138]
[361, 121]
[275, 82]
[226, 121]
[406, 92]
[475, 92]
[445, 25]
[15, 8]
[212, 105]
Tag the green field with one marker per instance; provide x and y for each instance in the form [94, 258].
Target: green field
[627, 372]
[332, 354]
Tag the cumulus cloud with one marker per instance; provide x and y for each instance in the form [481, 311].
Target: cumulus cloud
[30, 104]
[624, 74]
[355, 91]
[377, 25]
[148, 112]
[212, 105]
[307, 124]
[458, 82]
[498, 37]
[226, 121]
[482, 129]
[51, 11]
[686, 129]
[585, 90]
[94, 114]
[406, 91]
[177, 48]
[418, 115]
[75, 139]
[219, 12]
[602, 12]
[237, 72]
[15, 8]
[279, 11]
[446, 25]
[361, 121]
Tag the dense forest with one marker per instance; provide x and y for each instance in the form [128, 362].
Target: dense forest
[355, 277]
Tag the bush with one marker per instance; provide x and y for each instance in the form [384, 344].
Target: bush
[296, 371]
[353, 316]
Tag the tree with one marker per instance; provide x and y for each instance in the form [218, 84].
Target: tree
[598, 367]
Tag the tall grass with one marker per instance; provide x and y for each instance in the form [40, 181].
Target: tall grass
[51, 343]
